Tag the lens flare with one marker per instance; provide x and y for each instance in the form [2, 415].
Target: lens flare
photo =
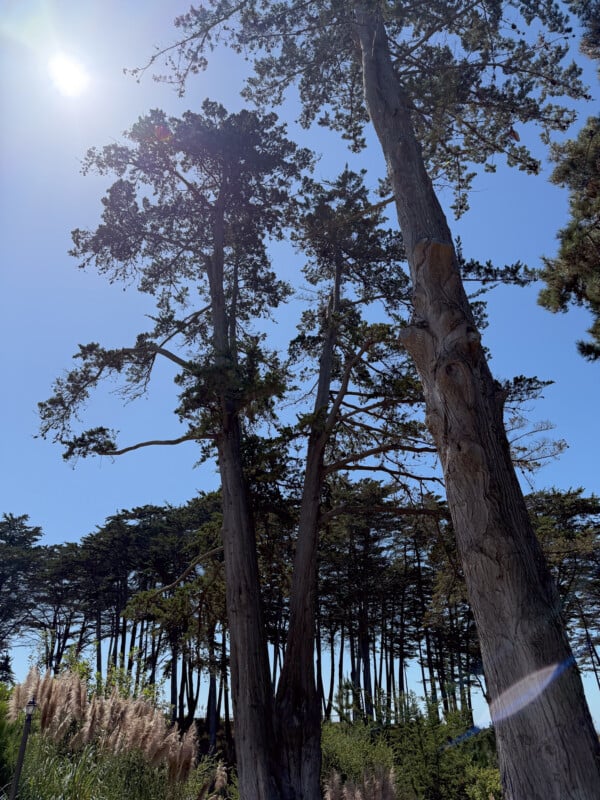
[525, 691]
[516, 697]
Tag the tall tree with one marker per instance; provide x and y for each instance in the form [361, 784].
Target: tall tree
[343, 239]
[444, 85]
[209, 223]
[194, 203]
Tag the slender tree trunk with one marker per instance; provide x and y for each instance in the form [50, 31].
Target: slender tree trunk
[250, 676]
[365, 658]
[297, 705]
[298, 711]
[99, 643]
[140, 658]
[123, 640]
[341, 658]
[329, 705]
[433, 696]
[183, 690]
[547, 745]
[211, 713]
[173, 683]
[132, 649]
[594, 657]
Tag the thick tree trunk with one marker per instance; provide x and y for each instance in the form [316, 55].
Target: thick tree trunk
[547, 745]
[250, 678]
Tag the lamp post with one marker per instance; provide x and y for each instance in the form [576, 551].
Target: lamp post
[29, 709]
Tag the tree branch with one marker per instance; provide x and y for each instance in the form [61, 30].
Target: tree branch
[188, 437]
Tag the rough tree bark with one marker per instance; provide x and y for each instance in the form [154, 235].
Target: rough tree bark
[547, 745]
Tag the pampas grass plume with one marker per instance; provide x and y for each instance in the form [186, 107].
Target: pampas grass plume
[114, 723]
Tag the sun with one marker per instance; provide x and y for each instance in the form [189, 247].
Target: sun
[68, 75]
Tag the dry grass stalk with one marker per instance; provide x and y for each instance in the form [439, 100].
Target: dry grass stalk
[218, 783]
[23, 693]
[380, 786]
[220, 777]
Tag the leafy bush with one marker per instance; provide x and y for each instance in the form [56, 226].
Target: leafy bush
[425, 757]
[483, 783]
[443, 759]
[354, 750]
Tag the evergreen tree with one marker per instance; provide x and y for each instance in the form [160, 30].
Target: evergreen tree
[444, 85]
[18, 562]
[230, 381]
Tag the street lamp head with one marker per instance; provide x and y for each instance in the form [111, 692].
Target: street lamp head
[30, 707]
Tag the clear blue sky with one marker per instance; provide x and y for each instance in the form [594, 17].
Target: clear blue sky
[47, 306]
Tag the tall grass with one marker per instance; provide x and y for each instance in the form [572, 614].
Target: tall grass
[112, 724]
[51, 774]
[108, 748]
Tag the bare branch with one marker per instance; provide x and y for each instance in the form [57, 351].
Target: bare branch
[188, 437]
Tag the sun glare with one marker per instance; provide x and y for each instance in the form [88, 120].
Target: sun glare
[68, 75]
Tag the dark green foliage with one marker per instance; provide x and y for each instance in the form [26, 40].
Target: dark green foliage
[471, 72]
[567, 524]
[18, 560]
[354, 750]
[188, 219]
[588, 12]
[573, 277]
[10, 736]
[442, 759]
[430, 759]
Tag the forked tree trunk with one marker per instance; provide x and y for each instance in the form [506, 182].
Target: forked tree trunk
[298, 706]
[547, 745]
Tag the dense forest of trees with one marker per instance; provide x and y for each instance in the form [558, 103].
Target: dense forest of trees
[369, 515]
[142, 600]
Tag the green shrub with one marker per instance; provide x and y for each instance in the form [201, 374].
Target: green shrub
[443, 759]
[483, 783]
[354, 750]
